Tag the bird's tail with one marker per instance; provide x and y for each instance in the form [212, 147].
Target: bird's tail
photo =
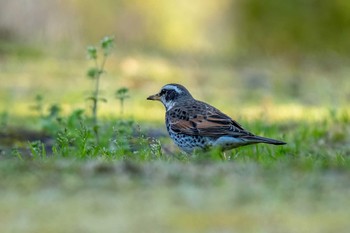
[258, 139]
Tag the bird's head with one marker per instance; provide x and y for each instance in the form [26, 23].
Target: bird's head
[170, 94]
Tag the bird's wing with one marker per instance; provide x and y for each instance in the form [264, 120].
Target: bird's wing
[210, 122]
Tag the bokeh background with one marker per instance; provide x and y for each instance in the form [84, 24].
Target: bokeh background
[279, 67]
[243, 56]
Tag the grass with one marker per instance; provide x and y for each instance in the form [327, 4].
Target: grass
[55, 178]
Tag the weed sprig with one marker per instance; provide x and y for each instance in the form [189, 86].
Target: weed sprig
[95, 73]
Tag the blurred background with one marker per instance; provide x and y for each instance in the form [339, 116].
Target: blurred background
[279, 67]
[240, 55]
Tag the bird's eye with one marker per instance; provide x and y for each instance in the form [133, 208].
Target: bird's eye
[162, 92]
[171, 95]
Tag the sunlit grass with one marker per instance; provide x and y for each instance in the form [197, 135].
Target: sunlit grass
[142, 111]
[236, 91]
[64, 82]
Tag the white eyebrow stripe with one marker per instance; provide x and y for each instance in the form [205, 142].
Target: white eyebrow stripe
[172, 87]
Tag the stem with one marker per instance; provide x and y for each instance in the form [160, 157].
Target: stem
[94, 104]
[96, 95]
[94, 107]
[121, 106]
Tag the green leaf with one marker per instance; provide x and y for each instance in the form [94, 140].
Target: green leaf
[93, 73]
[122, 93]
[92, 52]
[107, 44]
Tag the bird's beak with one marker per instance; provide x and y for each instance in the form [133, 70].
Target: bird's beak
[154, 97]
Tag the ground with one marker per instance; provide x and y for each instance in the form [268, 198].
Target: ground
[67, 196]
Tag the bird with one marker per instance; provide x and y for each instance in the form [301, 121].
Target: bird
[195, 125]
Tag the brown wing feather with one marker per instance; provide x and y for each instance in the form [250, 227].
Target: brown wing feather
[205, 121]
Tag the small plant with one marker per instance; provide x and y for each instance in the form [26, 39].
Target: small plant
[122, 94]
[37, 149]
[39, 105]
[73, 137]
[16, 153]
[63, 142]
[95, 73]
